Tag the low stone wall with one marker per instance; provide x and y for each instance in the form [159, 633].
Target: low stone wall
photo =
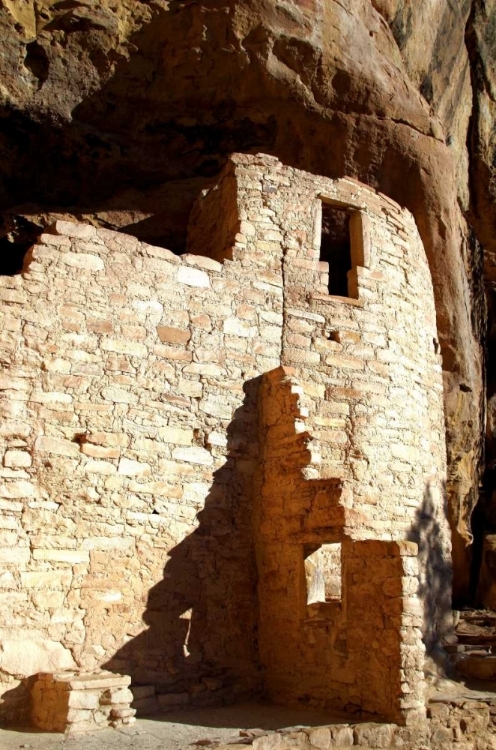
[463, 722]
[72, 703]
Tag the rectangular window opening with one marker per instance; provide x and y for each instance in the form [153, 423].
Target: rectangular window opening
[335, 247]
[323, 573]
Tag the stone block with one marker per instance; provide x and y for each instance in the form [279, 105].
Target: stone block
[273, 741]
[83, 261]
[320, 738]
[11, 555]
[57, 446]
[193, 277]
[342, 736]
[169, 335]
[176, 435]
[122, 713]
[28, 656]
[99, 451]
[50, 579]
[132, 468]
[121, 695]
[17, 459]
[99, 467]
[123, 346]
[62, 555]
[95, 681]
[194, 455]
[374, 735]
[72, 229]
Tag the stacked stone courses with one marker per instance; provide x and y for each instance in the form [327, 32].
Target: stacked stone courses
[137, 495]
[70, 703]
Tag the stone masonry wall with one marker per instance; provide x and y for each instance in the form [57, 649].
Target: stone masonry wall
[363, 651]
[129, 442]
[130, 428]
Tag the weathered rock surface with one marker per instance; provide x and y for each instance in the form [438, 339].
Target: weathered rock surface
[119, 112]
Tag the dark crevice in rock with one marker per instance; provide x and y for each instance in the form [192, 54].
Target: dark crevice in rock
[37, 62]
[17, 235]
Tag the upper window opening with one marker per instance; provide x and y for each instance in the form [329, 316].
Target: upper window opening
[335, 247]
[323, 573]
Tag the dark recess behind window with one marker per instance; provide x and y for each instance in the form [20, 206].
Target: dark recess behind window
[335, 247]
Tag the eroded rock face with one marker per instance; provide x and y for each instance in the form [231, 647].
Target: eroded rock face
[118, 113]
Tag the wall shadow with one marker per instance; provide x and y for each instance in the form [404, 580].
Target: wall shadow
[202, 617]
[435, 579]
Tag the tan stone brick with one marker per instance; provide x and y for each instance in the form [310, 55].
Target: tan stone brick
[99, 451]
[121, 346]
[99, 467]
[61, 555]
[72, 229]
[192, 277]
[156, 488]
[82, 699]
[176, 435]
[13, 296]
[18, 556]
[119, 395]
[134, 333]
[108, 543]
[51, 397]
[170, 352]
[202, 321]
[17, 459]
[83, 261]
[217, 408]
[97, 325]
[193, 455]
[20, 489]
[171, 335]
[108, 439]
[129, 467]
[53, 579]
[57, 446]
[342, 361]
[301, 356]
[239, 327]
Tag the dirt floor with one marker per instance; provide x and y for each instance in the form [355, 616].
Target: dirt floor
[187, 729]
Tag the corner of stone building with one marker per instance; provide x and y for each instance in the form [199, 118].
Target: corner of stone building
[214, 222]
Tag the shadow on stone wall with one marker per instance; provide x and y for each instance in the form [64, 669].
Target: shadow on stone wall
[201, 641]
[435, 579]
[15, 709]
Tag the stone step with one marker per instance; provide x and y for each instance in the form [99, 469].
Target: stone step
[476, 666]
[463, 648]
[478, 617]
[478, 639]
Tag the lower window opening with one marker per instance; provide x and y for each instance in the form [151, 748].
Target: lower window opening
[323, 573]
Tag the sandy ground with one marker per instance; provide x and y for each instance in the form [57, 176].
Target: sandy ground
[187, 729]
